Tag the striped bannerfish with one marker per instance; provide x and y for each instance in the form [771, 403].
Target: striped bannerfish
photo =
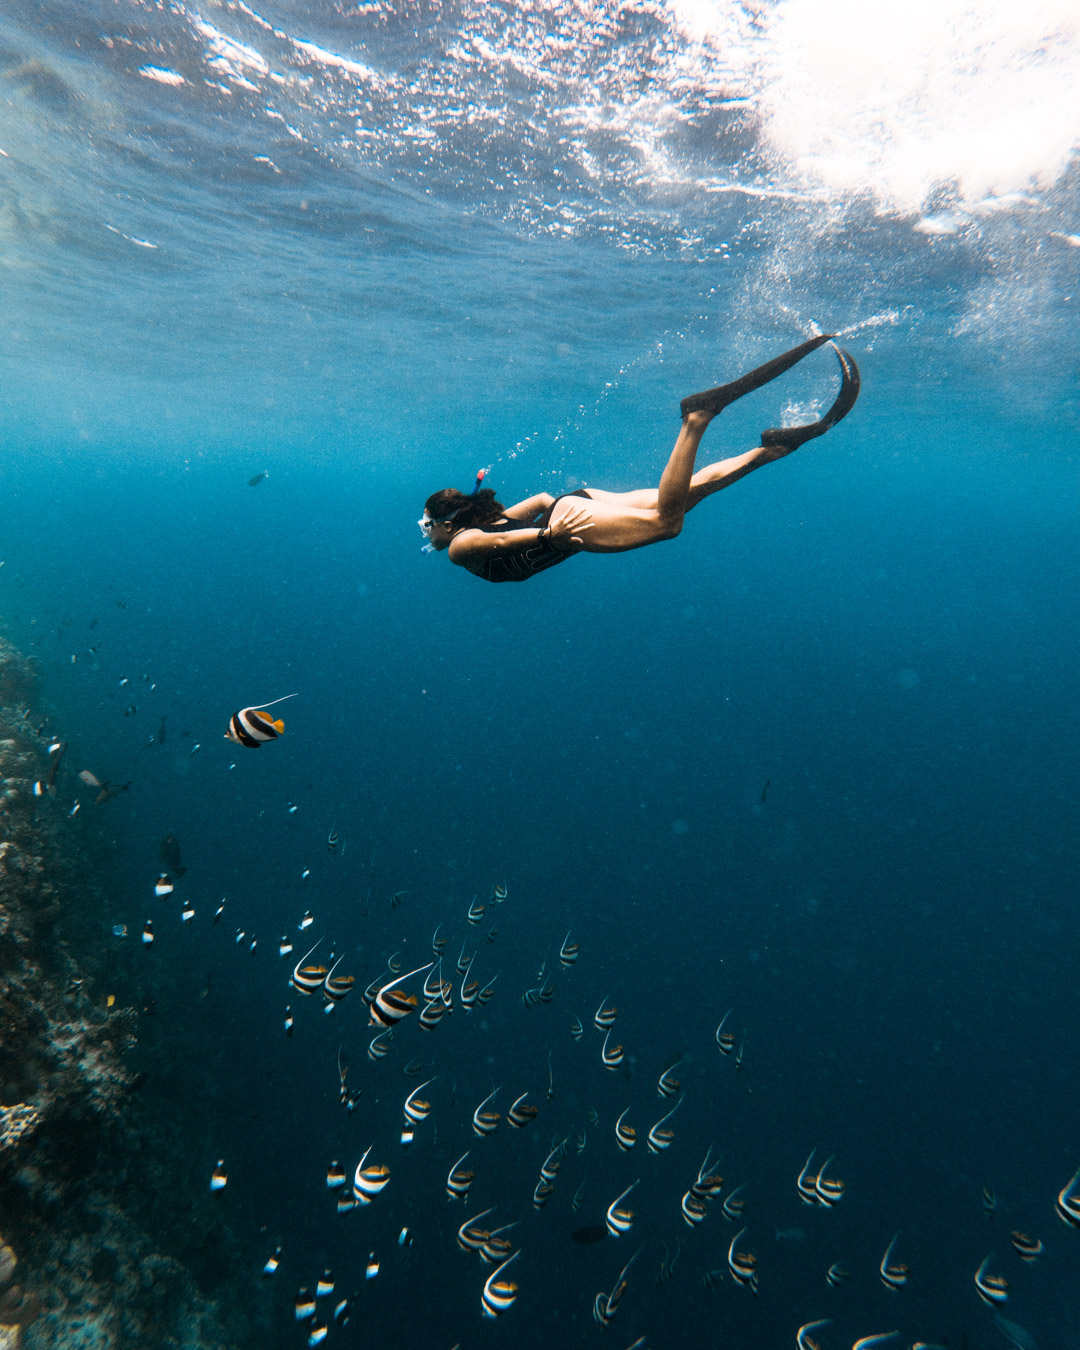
[499, 1294]
[369, 1181]
[253, 726]
[458, 1180]
[619, 1220]
[894, 1274]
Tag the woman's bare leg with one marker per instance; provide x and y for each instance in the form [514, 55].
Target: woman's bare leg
[703, 484]
[631, 520]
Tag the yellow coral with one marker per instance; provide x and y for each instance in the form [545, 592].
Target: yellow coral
[15, 1121]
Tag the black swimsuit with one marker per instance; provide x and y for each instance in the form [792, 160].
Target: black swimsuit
[521, 561]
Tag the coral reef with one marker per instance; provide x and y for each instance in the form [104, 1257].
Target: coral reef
[81, 1159]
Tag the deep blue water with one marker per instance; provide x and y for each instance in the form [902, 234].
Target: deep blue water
[517, 236]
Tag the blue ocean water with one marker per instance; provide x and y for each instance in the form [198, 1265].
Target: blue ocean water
[814, 761]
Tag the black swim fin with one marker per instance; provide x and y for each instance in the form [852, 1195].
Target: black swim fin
[716, 400]
[792, 437]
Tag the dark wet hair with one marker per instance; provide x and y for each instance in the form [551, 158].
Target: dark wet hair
[467, 510]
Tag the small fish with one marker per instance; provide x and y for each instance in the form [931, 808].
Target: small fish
[579, 1198]
[612, 1057]
[873, 1342]
[807, 1184]
[470, 1236]
[438, 944]
[392, 1004]
[397, 899]
[325, 1286]
[476, 912]
[498, 893]
[743, 1265]
[333, 839]
[549, 1169]
[288, 1022]
[740, 1053]
[148, 932]
[829, 1190]
[75, 809]
[666, 1085]
[551, 1080]
[1027, 1248]
[725, 1040]
[432, 1015]
[542, 1194]
[240, 935]
[569, 951]
[218, 1177]
[519, 1116]
[660, 1139]
[708, 1184]
[487, 993]
[837, 1274]
[346, 1201]
[379, 1047]
[414, 1068]
[257, 478]
[499, 1294]
[579, 1143]
[368, 1182]
[604, 1018]
[169, 856]
[485, 1122]
[163, 886]
[463, 961]
[605, 1306]
[593, 1116]
[284, 946]
[495, 1248]
[252, 727]
[989, 1201]
[1067, 1204]
[219, 911]
[108, 790]
[894, 1274]
[618, 1220]
[992, 1289]
[576, 1029]
[341, 1311]
[625, 1135]
[272, 1262]
[803, 1339]
[404, 1238]
[493, 933]
[734, 1205]
[318, 1333]
[304, 1306]
[188, 913]
[306, 921]
[119, 930]
[336, 987]
[306, 979]
[458, 1180]
[417, 1110]
[335, 1176]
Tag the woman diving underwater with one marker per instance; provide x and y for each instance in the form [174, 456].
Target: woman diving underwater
[514, 543]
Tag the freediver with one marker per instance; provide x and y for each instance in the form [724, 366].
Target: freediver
[514, 543]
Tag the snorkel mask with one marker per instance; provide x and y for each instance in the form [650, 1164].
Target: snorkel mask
[426, 522]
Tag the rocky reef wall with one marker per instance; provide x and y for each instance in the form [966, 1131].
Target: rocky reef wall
[97, 1251]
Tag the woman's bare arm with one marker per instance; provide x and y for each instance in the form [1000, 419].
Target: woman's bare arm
[531, 506]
